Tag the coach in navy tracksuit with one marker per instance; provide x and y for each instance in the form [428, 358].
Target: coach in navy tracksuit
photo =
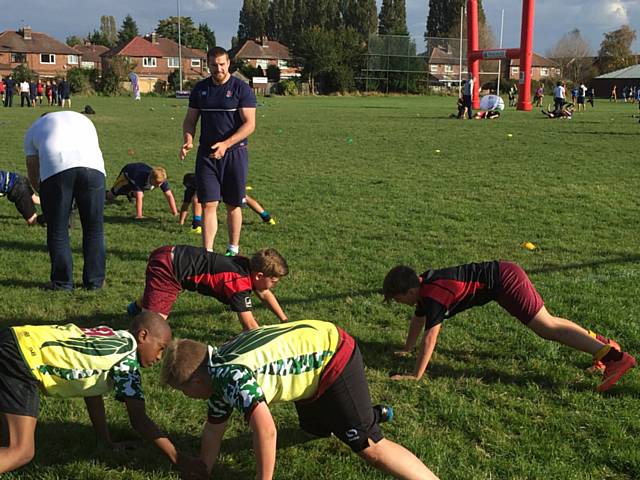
[10, 86]
[227, 107]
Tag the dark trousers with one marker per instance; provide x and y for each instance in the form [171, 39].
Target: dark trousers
[557, 104]
[24, 97]
[8, 99]
[466, 101]
[57, 193]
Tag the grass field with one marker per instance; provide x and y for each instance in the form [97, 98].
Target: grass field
[357, 187]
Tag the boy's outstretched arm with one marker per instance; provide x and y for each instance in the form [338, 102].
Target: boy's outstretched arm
[184, 211]
[172, 202]
[95, 407]
[416, 325]
[264, 435]
[247, 320]
[139, 197]
[148, 430]
[427, 346]
[212, 434]
[270, 301]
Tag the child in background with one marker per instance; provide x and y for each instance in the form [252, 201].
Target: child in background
[136, 178]
[443, 293]
[18, 190]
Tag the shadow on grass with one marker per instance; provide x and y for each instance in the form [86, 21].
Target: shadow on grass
[129, 220]
[24, 246]
[618, 260]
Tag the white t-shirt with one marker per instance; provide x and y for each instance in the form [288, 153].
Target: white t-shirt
[24, 87]
[558, 91]
[63, 140]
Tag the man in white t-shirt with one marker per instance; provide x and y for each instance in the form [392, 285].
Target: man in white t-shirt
[24, 93]
[64, 163]
[558, 97]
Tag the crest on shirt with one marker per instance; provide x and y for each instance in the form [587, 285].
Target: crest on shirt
[229, 94]
[203, 93]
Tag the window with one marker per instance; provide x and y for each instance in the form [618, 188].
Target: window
[18, 58]
[433, 68]
[448, 69]
[195, 62]
[283, 64]
[261, 63]
[544, 72]
[72, 59]
[173, 62]
[47, 58]
[148, 61]
[515, 70]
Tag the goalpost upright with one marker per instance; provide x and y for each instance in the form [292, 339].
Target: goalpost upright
[524, 53]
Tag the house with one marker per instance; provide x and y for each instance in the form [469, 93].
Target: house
[155, 58]
[265, 52]
[43, 54]
[444, 65]
[541, 68]
[625, 77]
[90, 55]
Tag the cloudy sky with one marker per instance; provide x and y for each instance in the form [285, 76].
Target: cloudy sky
[62, 18]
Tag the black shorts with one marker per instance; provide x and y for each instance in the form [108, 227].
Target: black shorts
[344, 409]
[189, 182]
[20, 194]
[18, 388]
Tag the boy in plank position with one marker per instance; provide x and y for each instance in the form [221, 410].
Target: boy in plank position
[315, 364]
[136, 178]
[172, 269]
[443, 293]
[69, 361]
[18, 190]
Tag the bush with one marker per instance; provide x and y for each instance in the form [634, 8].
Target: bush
[287, 87]
[23, 73]
[116, 71]
[273, 73]
[78, 79]
[174, 81]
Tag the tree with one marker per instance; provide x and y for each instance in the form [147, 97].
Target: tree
[128, 30]
[115, 72]
[253, 19]
[208, 36]
[393, 18]
[98, 38]
[615, 50]
[108, 29]
[73, 40]
[280, 21]
[443, 20]
[438, 18]
[573, 55]
[362, 16]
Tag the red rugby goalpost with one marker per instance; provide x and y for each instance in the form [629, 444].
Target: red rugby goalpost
[524, 53]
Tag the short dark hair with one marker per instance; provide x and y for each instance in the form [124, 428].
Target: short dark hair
[216, 52]
[269, 262]
[398, 281]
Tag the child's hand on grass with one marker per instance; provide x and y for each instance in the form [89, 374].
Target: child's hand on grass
[401, 377]
[402, 353]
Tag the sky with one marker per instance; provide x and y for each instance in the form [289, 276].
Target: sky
[63, 18]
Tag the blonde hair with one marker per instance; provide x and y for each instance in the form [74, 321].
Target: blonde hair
[158, 175]
[269, 262]
[181, 360]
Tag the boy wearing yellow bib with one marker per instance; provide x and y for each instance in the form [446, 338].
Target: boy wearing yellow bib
[69, 361]
[315, 364]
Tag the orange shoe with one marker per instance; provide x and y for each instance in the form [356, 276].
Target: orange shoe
[614, 370]
[597, 365]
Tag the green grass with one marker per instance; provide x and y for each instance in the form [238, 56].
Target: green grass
[356, 187]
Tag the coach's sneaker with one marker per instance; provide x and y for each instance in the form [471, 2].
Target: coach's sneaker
[383, 413]
[230, 253]
[614, 369]
[196, 230]
[598, 365]
[133, 309]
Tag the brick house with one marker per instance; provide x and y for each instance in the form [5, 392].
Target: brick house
[444, 66]
[43, 54]
[541, 68]
[264, 52]
[90, 55]
[156, 57]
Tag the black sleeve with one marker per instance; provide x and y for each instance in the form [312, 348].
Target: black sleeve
[433, 311]
[241, 301]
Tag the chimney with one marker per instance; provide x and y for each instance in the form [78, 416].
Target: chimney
[26, 32]
[154, 38]
[263, 40]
